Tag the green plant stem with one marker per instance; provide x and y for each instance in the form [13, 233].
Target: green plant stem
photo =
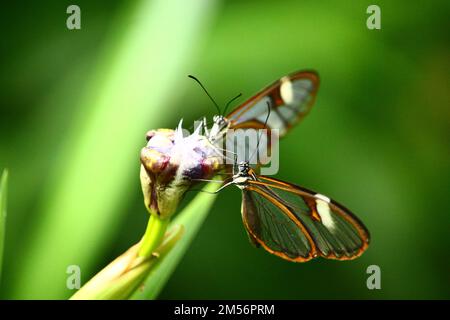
[123, 276]
[153, 236]
[191, 218]
[3, 200]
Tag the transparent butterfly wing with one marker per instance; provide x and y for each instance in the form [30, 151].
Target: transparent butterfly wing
[330, 229]
[290, 99]
[273, 229]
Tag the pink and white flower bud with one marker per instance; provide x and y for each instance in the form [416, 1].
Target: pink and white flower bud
[170, 164]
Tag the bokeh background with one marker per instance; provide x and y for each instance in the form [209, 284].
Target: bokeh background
[75, 106]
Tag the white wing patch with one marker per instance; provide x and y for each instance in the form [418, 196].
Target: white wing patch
[322, 197]
[296, 93]
[323, 209]
[287, 91]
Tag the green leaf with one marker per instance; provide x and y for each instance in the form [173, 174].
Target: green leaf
[3, 200]
[191, 218]
[145, 62]
[121, 277]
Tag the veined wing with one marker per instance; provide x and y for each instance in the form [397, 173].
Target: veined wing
[290, 99]
[298, 224]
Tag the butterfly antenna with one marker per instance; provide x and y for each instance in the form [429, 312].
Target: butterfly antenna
[269, 108]
[265, 126]
[206, 91]
[225, 184]
[229, 102]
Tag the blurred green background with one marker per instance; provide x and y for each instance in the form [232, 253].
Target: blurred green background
[75, 106]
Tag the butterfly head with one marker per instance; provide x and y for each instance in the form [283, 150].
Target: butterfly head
[245, 174]
[244, 167]
[220, 121]
[245, 170]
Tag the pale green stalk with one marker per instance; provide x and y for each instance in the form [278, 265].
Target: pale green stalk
[191, 218]
[3, 202]
[125, 274]
[153, 236]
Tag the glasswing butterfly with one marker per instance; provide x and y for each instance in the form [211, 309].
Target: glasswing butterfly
[295, 223]
[287, 220]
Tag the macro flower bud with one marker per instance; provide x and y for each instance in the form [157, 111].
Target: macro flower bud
[171, 164]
